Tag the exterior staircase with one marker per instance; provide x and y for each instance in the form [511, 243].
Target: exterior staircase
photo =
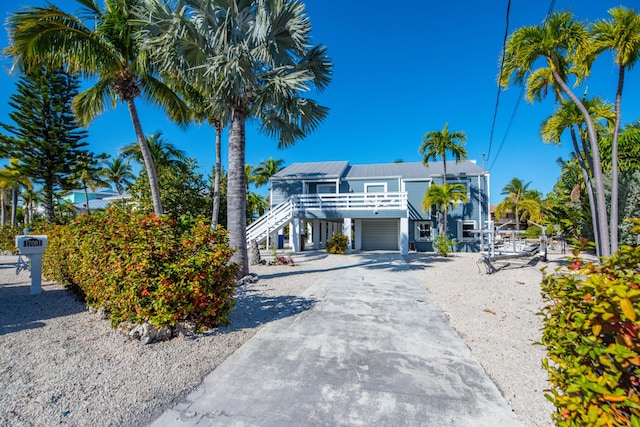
[270, 222]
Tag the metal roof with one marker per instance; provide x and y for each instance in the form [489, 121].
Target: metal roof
[314, 170]
[409, 170]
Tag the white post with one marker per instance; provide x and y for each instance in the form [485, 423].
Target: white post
[323, 233]
[358, 235]
[33, 247]
[295, 234]
[404, 236]
[316, 234]
[346, 230]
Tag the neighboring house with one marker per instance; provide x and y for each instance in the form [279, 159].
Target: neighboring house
[98, 199]
[378, 206]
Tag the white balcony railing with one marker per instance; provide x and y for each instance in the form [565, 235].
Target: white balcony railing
[350, 201]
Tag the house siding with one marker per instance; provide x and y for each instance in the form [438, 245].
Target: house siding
[282, 190]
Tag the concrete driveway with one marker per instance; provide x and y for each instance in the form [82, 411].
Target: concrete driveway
[373, 350]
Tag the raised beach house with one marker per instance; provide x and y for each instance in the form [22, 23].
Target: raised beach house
[378, 206]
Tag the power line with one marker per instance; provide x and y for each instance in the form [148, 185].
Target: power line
[515, 108]
[495, 111]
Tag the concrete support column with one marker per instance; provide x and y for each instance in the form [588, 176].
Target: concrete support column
[323, 233]
[309, 234]
[358, 235]
[346, 230]
[295, 234]
[316, 234]
[404, 236]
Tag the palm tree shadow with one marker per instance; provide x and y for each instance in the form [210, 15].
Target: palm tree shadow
[20, 311]
[424, 260]
[254, 309]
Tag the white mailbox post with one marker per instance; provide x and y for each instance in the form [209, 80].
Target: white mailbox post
[33, 247]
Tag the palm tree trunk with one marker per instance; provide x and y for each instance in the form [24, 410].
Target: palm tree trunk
[588, 184]
[86, 199]
[444, 185]
[146, 156]
[613, 219]
[600, 202]
[14, 206]
[236, 192]
[3, 208]
[217, 176]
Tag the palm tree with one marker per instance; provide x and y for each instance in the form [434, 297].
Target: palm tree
[163, 153]
[438, 143]
[444, 197]
[118, 171]
[262, 62]
[568, 116]
[90, 177]
[31, 197]
[104, 45]
[12, 180]
[621, 34]
[265, 170]
[522, 201]
[559, 41]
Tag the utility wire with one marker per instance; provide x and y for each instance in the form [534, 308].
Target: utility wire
[515, 109]
[495, 111]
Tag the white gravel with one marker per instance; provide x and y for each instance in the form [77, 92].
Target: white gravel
[61, 365]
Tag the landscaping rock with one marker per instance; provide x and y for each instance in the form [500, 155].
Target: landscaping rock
[254, 253]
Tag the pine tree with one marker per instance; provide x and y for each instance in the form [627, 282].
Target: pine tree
[46, 139]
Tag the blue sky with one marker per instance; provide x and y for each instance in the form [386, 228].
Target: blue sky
[399, 72]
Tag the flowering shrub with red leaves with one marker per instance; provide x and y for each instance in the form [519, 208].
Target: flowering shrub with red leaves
[141, 267]
[8, 238]
[591, 326]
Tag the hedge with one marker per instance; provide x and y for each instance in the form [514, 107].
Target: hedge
[141, 267]
[591, 324]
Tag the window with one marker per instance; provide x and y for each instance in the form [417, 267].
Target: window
[466, 230]
[380, 187]
[325, 188]
[423, 231]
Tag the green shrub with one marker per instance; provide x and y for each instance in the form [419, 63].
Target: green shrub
[338, 244]
[140, 267]
[8, 238]
[443, 245]
[591, 325]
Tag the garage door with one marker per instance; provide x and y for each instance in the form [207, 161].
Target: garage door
[380, 234]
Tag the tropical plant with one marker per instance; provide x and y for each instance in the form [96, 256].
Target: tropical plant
[13, 180]
[91, 176]
[265, 170]
[103, 45]
[523, 202]
[559, 42]
[338, 244]
[48, 147]
[162, 152]
[444, 197]
[438, 143]
[628, 149]
[257, 205]
[118, 171]
[185, 192]
[145, 268]
[568, 117]
[262, 62]
[621, 35]
[591, 323]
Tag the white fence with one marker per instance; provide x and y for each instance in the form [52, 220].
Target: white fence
[350, 201]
